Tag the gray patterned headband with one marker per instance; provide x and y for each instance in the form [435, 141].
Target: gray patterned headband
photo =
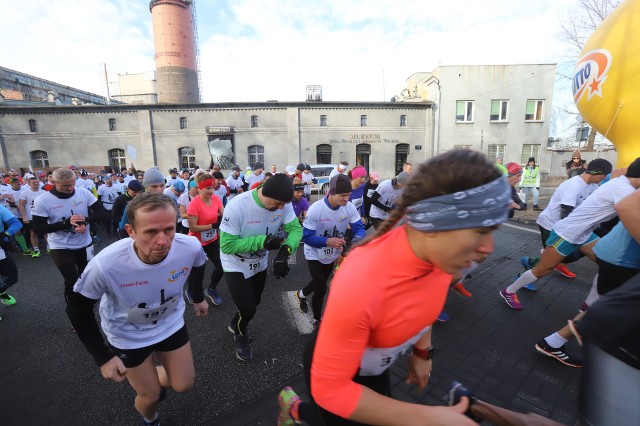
[485, 205]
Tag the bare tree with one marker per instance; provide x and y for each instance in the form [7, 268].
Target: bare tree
[577, 25]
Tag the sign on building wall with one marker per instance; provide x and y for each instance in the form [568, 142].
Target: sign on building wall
[358, 138]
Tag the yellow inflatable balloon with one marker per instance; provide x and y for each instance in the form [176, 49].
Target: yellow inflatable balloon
[606, 80]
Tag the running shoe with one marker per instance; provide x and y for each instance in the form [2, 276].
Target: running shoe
[565, 271]
[461, 290]
[443, 317]
[558, 353]
[536, 208]
[511, 299]
[27, 252]
[48, 251]
[212, 295]
[155, 422]
[36, 254]
[7, 299]
[243, 350]
[573, 327]
[286, 399]
[456, 393]
[302, 302]
[187, 295]
[524, 261]
[233, 328]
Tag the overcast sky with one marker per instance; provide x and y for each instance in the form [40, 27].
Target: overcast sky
[271, 49]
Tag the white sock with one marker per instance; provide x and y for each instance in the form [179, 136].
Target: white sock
[470, 269]
[593, 292]
[555, 340]
[524, 279]
[152, 420]
[301, 295]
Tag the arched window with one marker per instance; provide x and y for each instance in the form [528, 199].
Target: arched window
[402, 152]
[323, 153]
[39, 159]
[187, 157]
[363, 154]
[117, 159]
[255, 154]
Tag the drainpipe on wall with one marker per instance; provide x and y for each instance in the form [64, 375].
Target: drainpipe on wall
[436, 110]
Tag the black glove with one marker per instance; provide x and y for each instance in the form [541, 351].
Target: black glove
[281, 262]
[272, 242]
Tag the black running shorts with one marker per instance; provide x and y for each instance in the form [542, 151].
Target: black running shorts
[134, 357]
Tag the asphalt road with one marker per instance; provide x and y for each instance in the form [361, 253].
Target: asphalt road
[49, 378]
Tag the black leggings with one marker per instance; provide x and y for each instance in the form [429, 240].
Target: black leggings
[246, 294]
[611, 276]
[71, 264]
[213, 253]
[314, 414]
[320, 274]
[8, 273]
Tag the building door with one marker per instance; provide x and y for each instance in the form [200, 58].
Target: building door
[363, 153]
[402, 153]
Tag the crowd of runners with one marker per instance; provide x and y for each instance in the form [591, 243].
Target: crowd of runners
[373, 295]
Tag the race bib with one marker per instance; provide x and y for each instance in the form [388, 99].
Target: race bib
[151, 316]
[327, 254]
[89, 252]
[208, 235]
[376, 361]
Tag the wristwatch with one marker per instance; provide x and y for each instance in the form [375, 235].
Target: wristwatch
[425, 354]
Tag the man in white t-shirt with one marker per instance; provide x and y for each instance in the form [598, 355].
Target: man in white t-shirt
[575, 232]
[27, 200]
[66, 214]
[107, 194]
[340, 169]
[253, 223]
[84, 181]
[308, 181]
[383, 199]
[256, 176]
[172, 177]
[139, 283]
[324, 237]
[235, 182]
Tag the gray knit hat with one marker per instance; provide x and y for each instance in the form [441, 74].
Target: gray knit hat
[153, 176]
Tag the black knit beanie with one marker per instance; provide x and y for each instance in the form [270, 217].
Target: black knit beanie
[279, 187]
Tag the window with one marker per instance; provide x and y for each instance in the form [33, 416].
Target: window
[33, 126]
[534, 110]
[39, 159]
[112, 125]
[499, 110]
[254, 121]
[117, 160]
[187, 157]
[403, 121]
[363, 153]
[256, 154]
[464, 111]
[462, 147]
[529, 151]
[363, 121]
[323, 121]
[323, 153]
[402, 152]
[496, 151]
[183, 122]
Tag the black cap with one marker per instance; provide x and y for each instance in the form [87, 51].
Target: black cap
[531, 159]
[340, 184]
[307, 167]
[633, 171]
[300, 167]
[279, 187]
[135, 185]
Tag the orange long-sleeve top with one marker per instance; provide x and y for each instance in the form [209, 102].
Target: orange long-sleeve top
[382, 299]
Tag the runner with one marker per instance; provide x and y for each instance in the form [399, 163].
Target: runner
[384, 198]
[250, 228]
[27, 199]
[390, 290]
[220, 188]
[107, 194]
[235, 182]
[256, 176]
[358, 179]
[9, 225]
[339, 169]
[172, 177]
[183, 205]
[299, 202]
[67, 214]
[133, 189]
[152, 182]
[11, 196]
[174, 192]
[575, 232]
[308, 180]
[139, 281]
[324, 240]
[204, 214]
[369, 188]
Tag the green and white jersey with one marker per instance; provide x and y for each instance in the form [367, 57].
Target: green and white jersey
[243, 218]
